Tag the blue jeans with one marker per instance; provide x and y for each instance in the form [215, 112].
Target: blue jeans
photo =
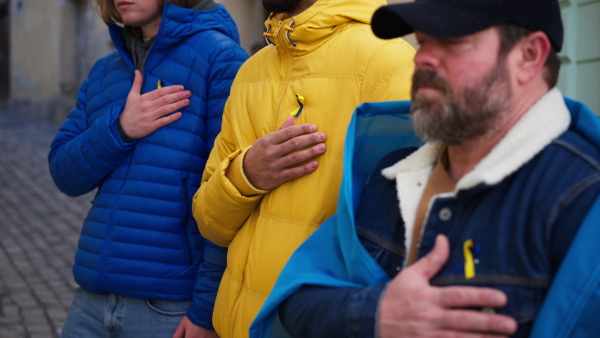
[110, 315]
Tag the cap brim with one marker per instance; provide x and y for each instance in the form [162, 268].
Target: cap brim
[432, 18]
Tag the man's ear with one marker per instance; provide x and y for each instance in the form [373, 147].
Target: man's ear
[532, 52]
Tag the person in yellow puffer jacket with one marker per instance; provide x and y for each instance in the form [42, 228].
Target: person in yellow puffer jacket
[274, 173]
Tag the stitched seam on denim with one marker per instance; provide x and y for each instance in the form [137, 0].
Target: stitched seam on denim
[494, 279]
[357, 318]
[353, 312]
[572, 194]
[380, 241]
[165, 313]
[579, 153]
[525, 316]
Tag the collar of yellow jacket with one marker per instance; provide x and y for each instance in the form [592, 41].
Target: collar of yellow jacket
[310, 29]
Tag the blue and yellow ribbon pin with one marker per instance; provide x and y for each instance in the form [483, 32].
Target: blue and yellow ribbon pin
[298, 110]
[469, 261]
[160, 84]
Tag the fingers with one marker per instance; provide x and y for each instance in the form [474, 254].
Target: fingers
[300, 142]
[174, 97]
[169, 95]
[463, 334]
[298, 157]
[287, 151]
[293, 173]
[170, 107]
[165, 121]
[289, 121]
[475, 321]
[470, 296]
[138, 80]
[180, 332]
[431, 263]
[291, 132]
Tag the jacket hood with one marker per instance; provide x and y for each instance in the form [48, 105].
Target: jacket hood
[311, 28]
[178, 24]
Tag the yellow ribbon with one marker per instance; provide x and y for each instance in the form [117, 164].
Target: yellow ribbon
[159, 84]
[298, 110]
[469, 262]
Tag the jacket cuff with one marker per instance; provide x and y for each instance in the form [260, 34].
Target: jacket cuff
[377, 312]
[200, 314]
[235, 174]
[364, 311]
[112, 135]
[122, 132]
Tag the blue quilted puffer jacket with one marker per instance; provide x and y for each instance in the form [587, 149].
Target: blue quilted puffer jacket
[139, 239]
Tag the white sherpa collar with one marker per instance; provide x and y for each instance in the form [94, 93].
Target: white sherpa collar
[547, 119]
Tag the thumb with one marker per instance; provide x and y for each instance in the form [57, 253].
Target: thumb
[289, 121]
[180, 332]
[136, 87]
[431, 263]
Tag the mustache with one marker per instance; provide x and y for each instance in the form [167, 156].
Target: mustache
[428, 78]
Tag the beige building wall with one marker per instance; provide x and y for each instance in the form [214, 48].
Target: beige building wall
[249, 16]
[36, 27]
[53, 46]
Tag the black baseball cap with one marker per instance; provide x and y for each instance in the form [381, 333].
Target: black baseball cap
[456, 18]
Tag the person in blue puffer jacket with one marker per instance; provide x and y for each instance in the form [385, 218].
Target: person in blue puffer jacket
[144, 124]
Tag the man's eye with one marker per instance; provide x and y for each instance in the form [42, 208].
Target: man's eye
[453, 41]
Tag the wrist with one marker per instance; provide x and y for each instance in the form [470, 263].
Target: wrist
[122, 133]
[236, 175]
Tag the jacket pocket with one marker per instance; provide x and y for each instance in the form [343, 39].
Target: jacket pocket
[525, 295]
[389, 255]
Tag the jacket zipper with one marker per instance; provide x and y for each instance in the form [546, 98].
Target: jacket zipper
[289, 57]
[281, 41]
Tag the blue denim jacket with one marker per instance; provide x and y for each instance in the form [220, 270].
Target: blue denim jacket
[520, 227]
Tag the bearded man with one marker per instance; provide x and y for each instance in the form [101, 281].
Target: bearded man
[471, 227]
[275, 170]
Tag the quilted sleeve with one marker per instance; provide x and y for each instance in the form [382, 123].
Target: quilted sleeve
[219, 207]
[316, 311]
[208, 279]
[82, 155]
[227, 59]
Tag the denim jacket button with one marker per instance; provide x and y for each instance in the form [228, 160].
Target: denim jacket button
[445, 214]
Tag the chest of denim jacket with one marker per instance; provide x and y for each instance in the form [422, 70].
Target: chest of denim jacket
[507, 230]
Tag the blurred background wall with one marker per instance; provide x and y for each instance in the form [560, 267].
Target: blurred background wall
[48, 46]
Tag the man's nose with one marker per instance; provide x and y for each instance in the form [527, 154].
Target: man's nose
[427, 57]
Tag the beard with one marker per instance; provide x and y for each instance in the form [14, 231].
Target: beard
[280, 6]
[456, 119]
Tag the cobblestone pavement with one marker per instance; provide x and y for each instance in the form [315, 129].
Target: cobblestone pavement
[39, 227]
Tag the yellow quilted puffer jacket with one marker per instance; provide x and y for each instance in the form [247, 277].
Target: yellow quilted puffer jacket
[329, 55]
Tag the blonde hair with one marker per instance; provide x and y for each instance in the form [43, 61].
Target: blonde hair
[108, 11]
